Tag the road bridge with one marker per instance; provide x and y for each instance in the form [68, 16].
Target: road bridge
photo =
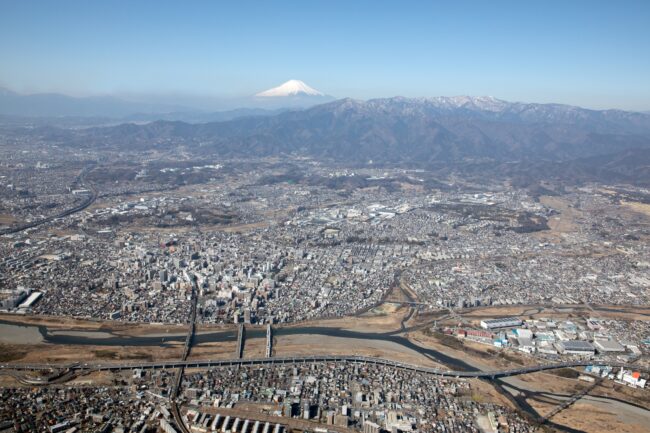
[269, 341]
[209, 363]
[241, 336]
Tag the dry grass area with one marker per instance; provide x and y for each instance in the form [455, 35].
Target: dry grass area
[385, 309]
[12, 352]
[476, 355]
[405, 288]
[242, 228]
[7, 381]
[6, 219]
[594, 418]
[412, 187]
[96, 378]
[543, 407]
[65, 354]
[497, 311]
[560, 312]
[608, 388]
[220, 350]
[642, 208]
[484, 392]
[311, 345]
[549, 382]
[397, 294]
[627, 313]
[565, 222]
[368, 322]
[72, 324]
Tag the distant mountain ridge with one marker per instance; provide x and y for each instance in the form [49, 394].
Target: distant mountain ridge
[291, 95]
[399, 129]
[58, 105]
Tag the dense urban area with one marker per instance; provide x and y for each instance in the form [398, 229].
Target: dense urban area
[123, 272]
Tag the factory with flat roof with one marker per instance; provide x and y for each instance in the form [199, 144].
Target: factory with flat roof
[576, 347]
[608, 346]
[503, 322]
[33, 297]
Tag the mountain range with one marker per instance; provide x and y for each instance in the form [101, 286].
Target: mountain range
[397, 129]
[400, 130]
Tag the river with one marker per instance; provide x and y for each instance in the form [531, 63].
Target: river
[17, 333]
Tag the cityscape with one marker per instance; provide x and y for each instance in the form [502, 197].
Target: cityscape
[188, 247]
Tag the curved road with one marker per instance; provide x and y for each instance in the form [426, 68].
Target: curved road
[89, 200]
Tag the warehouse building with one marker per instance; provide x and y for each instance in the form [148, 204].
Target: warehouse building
[576, 347]
[504, 322]
[35, 296]
[608, 346]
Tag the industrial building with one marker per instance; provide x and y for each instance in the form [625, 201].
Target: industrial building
[608, 346]
[576, 347]
[27, 303]
[503, 322]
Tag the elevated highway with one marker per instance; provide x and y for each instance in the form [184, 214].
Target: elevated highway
[207, 363]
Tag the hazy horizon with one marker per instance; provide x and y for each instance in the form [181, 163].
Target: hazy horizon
[584, 53]
[207, 103]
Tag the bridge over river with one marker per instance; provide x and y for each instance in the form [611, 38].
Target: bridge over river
[208, 363]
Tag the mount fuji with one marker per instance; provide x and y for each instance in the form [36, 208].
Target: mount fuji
[293, 93]
[290, 88]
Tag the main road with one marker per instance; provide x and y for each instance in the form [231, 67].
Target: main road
[207, 363]
[181, 368]
[90, 199]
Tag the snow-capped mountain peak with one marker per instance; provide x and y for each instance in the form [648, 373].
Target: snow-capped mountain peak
[291, 88]
[486, 103]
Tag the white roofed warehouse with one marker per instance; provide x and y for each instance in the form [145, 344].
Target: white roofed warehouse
[504, 322]
[576, 347]
[608, 346]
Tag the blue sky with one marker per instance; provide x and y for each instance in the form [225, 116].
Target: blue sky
[588, 53]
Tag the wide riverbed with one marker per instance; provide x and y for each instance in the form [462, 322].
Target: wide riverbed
[16, 333]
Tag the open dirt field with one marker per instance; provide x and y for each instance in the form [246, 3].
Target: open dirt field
[608, 388]
[483, 392]
[6, 219]
[381, 319]
[220, 350]
[66, 354]
[619, 312]
[565, 222]
[642, 208]
[602, 418]
[116, 327]
[307, 345]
